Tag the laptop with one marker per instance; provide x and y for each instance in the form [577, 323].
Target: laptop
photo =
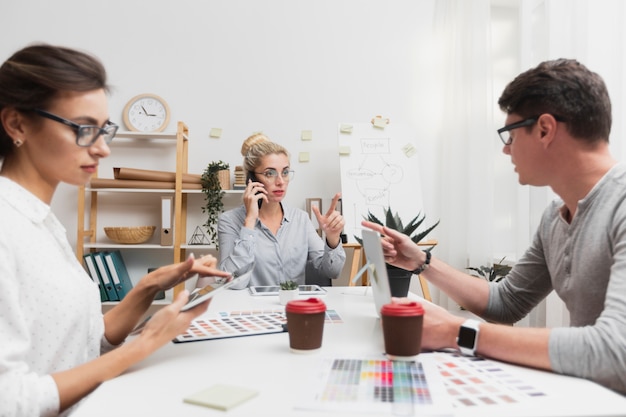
[377, 268]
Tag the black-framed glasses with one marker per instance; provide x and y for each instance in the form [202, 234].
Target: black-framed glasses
[504, 132]
[86, 135]
[271, 174]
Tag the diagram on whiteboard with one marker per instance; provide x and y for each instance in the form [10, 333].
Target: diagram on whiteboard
[379, 169]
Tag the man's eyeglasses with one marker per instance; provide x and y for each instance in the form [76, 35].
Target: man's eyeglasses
[86, 135]
[504, 132]
[271, 174]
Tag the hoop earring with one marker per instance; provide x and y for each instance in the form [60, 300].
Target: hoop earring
[18, 143]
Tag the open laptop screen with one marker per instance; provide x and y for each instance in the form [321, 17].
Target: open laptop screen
[378, 268]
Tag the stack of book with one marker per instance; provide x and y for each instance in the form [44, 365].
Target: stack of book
[108, 270]
[240, 178]
[144, 178]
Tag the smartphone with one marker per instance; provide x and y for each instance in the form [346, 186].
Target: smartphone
[200, 295]
[252, 177]
[197, 297]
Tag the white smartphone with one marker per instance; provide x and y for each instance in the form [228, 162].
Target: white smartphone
[202, 294]
[197, 297]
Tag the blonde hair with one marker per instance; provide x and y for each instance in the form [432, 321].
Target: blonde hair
[255, 147]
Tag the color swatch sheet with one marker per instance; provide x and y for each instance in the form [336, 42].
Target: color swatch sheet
[376, 386]
[472, 381]
[242, 323]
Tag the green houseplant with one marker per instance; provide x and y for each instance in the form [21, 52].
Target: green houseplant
[288, 285]
[400, 279]
[287, 290]
[491, 273]
[213, 194]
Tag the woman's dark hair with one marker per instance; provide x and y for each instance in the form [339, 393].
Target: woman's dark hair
[565, 88]
[34, 75]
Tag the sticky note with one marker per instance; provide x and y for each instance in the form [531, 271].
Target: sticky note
[306, 135]
[215, 132]
[303, 157]
[345, 128]
[344, 150]
[409, 150]
[221, 397]
[379, 122]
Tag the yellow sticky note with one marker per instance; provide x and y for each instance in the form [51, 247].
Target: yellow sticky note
[215, 132]
[344, 150]
[409, 150]
[306, 135]
[221, 396]
[303, 157]
[345, 128]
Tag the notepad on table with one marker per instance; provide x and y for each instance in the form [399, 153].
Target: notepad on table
[221, 397]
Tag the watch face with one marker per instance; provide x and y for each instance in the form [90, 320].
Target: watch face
[146, 113]
[467, 337]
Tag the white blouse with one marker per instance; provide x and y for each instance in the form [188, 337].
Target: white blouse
[50, 312]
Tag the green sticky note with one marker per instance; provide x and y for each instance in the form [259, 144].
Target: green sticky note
[221, 397]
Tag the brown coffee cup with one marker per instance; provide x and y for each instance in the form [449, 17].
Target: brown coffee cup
[305, 324]
[402, 329]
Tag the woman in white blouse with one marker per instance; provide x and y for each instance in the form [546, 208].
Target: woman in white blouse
[55, 344]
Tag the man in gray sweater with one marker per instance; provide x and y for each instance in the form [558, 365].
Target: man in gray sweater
[557, 134]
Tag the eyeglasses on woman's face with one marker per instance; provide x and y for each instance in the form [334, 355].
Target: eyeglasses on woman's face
[271, 174]
[86, 135]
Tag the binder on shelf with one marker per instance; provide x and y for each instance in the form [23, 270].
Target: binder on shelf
[107, 283]
[95, 275]
[119, 273]
[167, 232]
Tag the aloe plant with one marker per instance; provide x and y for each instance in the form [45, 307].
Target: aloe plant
[393, 221]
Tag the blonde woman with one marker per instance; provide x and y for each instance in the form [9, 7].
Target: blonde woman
[279, 241]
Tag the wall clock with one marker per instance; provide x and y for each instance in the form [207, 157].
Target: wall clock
[146, 113]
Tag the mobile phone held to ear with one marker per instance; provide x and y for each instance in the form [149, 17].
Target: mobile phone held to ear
[252, 177]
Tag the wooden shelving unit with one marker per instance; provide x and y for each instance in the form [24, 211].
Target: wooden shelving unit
[87, 236]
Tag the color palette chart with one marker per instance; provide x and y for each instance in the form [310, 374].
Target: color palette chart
[373, 385]
[473, 381]
[241, 323]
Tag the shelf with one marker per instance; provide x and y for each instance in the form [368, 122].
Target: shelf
[122, 246]
[187, 246]
[148, 136]
[133, 190]
[88, 238]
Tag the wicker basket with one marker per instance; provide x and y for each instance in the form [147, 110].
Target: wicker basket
[129, 235]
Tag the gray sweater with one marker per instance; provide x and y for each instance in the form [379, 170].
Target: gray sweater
[585, 263]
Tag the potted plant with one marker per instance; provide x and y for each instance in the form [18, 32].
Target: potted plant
[288, 290]
[491, 273]
[400, 279]
[213, 194]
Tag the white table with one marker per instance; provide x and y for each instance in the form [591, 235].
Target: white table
[156, 386]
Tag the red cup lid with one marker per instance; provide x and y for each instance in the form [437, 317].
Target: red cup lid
[309, 306]
[412, 308]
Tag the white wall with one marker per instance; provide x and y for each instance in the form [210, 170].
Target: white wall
[279, 66]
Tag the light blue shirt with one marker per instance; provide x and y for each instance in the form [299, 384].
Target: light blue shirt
[277, 257]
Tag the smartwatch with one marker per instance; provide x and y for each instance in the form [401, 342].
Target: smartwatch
[468, 337]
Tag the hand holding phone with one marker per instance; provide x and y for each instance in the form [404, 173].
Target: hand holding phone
[200, 295]
[252, 178]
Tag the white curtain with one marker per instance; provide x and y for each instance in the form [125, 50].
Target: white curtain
[465, 137]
